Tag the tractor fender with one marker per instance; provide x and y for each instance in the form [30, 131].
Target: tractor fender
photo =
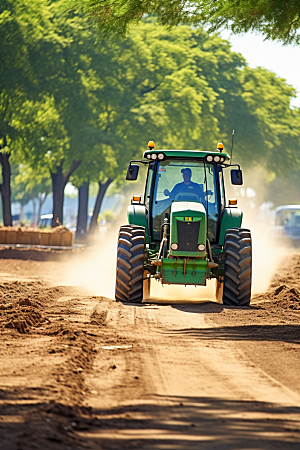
[231, 218]
[137, 215]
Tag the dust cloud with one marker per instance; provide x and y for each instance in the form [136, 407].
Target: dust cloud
[94, 270]
[267, 256]
[268, 253]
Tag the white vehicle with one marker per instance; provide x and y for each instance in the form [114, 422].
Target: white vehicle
[45, 220]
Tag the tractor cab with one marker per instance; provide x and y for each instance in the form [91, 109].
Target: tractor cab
[193, 184]
[186, 177]
[182, 225]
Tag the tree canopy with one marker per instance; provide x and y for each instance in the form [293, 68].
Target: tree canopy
[76, 108]
[274, 19]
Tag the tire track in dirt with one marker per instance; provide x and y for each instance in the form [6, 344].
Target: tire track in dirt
[43, 364]
[94, 373]
[193, 388]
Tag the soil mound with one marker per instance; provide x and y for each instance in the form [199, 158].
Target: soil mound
[284, 292]
[22, 304]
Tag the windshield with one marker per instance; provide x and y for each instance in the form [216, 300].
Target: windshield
[184, 180]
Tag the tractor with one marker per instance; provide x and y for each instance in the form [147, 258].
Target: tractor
[181, 231]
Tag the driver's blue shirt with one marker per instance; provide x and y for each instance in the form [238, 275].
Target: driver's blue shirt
[193, 188]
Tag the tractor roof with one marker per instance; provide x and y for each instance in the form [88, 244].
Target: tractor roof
[186, 154]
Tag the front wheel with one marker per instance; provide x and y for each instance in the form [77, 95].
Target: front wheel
[130, 264]
[238, 267]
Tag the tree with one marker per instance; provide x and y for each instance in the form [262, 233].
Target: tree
[82, 214]
[156, 91]
[52, 124]
[82, 110]
[185, 88]
[18, 189]
[29, 39]
[29, 184]
[41, 145]
[275, 20]
[277, 122]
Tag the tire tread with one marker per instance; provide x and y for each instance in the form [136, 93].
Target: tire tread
[238, 267]
[130, 264]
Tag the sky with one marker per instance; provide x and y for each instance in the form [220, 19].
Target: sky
[283, 60]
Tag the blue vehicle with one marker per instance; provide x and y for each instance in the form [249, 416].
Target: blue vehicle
[287, 223]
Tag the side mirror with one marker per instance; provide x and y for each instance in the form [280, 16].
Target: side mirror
[132, 172]
[236, 176]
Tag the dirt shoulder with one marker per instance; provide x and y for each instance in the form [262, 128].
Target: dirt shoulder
[82, 371]
[269, 331]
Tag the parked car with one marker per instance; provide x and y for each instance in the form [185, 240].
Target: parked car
[287, 223]
[45, 220]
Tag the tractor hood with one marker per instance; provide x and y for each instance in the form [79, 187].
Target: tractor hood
[188, 229]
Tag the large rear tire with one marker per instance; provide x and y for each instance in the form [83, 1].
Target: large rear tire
[130, 264]
[238, 267]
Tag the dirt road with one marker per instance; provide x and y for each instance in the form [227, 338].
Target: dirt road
[79, 371]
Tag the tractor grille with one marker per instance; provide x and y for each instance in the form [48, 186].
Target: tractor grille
[188, 234]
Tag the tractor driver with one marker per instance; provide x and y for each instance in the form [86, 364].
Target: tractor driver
[186, 186]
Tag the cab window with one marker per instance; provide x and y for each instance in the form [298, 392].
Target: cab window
[184, 180]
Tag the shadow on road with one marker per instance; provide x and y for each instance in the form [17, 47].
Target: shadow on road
[285, 333]
[201, 307]
[176, 423]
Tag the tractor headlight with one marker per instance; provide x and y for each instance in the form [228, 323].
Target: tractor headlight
[160, 156]
[201, 247]
[149, 156]
[209, 158]
[154, 156]
[222, 159]
[174, 246]
[217, 159]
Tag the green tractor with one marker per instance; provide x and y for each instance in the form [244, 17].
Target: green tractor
[181, 231]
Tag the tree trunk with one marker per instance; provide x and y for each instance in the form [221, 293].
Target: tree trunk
[41, 202]
[21, 212]
[58, 188]
[102, 189]
[59, 181]
[5, 189]
[82, 216]
[34, 212]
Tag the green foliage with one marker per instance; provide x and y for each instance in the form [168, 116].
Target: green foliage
[278, 19]
[268, 99]
[65, 98]
[28, 184]
[274, 19]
